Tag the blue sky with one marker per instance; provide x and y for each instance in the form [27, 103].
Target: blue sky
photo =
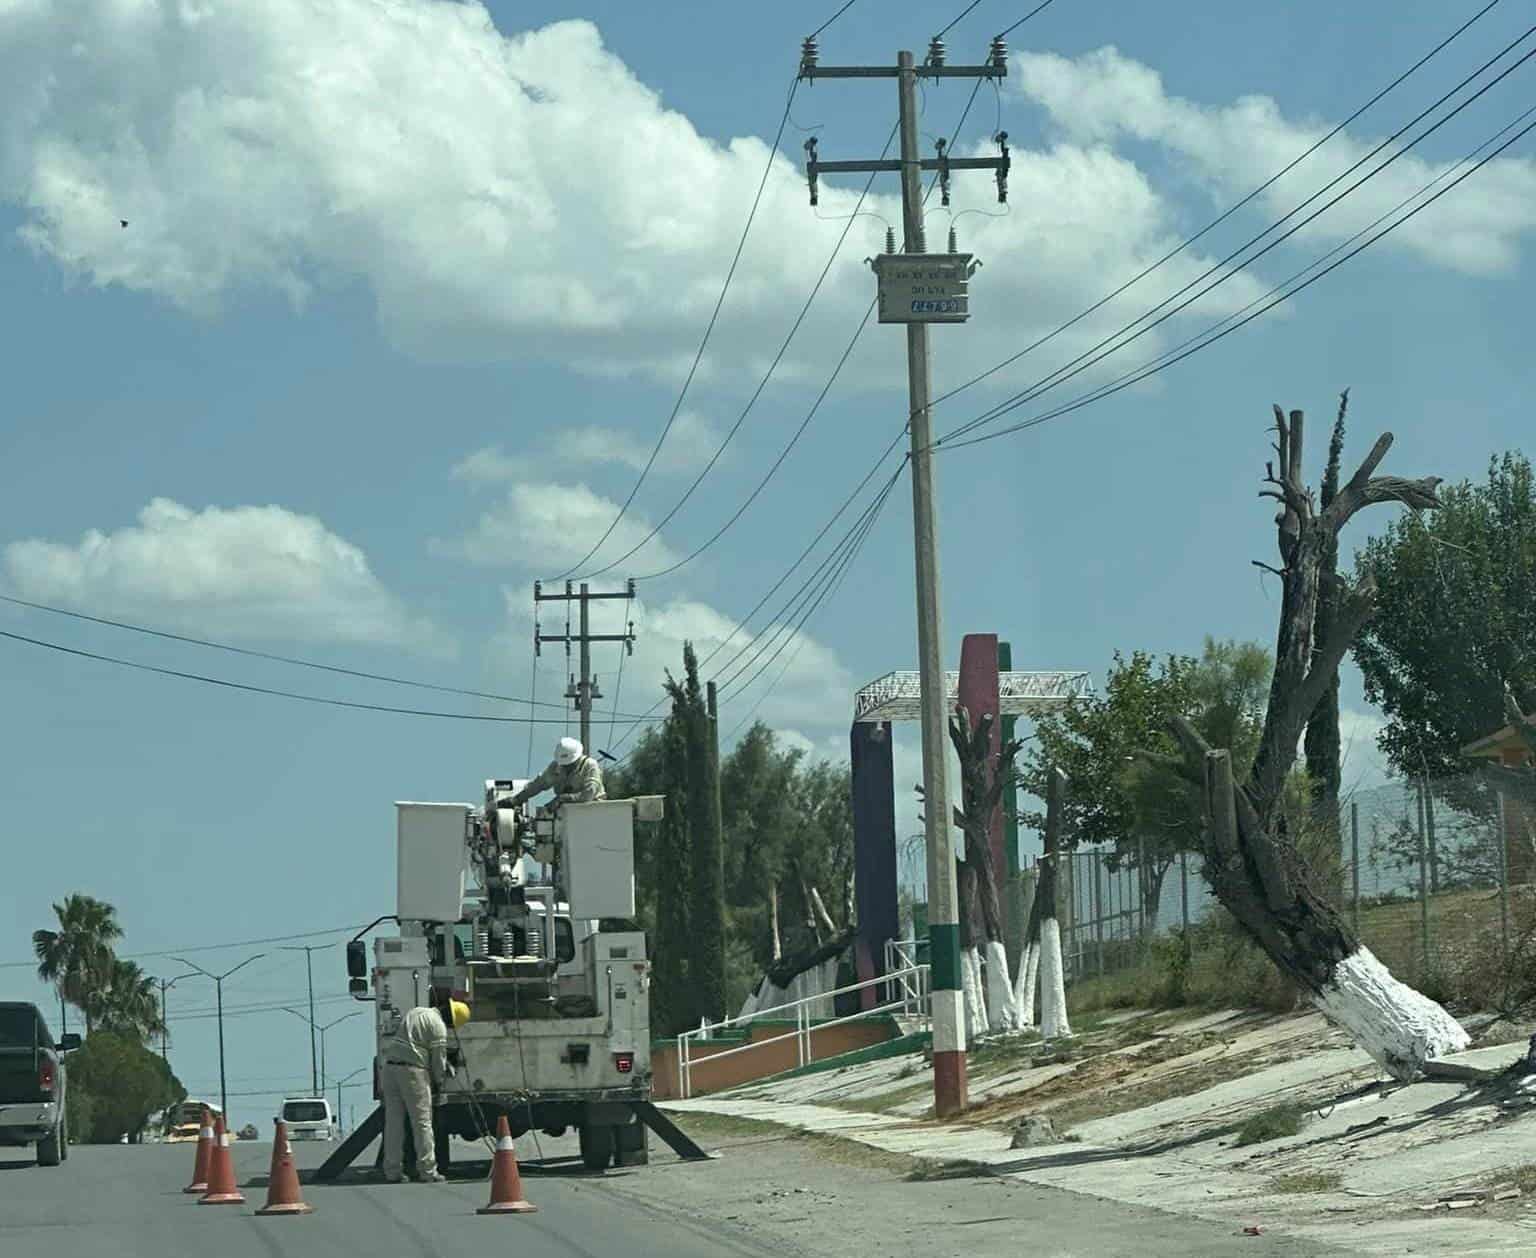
[408, 289]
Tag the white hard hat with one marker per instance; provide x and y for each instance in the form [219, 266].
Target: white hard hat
[567, 751]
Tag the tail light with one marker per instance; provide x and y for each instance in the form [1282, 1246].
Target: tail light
[45, 1075]
[624, 1062]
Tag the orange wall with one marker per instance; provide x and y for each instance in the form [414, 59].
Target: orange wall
[758, 1063]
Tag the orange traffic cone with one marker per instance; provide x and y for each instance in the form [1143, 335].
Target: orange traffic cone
[199, 1183]
[506, 1183]
[222, 1190]
[283, 1196]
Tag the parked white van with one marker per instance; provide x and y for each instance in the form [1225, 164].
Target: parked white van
[309, 1118]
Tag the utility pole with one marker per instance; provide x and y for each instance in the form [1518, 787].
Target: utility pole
[583, 689]
[918, 292]
[218, 983]
[165, 1029]
[308, 950]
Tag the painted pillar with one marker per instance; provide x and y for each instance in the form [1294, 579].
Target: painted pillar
[874, 850]
[1015, 911]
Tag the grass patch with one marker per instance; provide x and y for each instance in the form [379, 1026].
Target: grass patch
[1309, 1181]
[1272, 1124]
[1521, 1177]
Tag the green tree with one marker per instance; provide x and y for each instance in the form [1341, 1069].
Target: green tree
[1455, 618]
[77, 957]
[128, 1004]
[122, 1084]
[704, 874]
[1136, 802]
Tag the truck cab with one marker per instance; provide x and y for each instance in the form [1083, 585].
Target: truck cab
[33, 1082]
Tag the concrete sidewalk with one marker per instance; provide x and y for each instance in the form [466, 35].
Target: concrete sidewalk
[1367, 1172]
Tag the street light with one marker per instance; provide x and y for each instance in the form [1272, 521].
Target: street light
[344, 1083]
[319, 1089]
[307, 950]
[218, 983]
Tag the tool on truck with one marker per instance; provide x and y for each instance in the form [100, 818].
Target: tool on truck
[559, 1033]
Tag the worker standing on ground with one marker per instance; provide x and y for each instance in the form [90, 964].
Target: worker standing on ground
[415, 1062]
[575, 777]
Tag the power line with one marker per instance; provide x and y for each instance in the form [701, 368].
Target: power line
[1126, 383]
[280, 694]
[1220, 218]
[957, 19]
[213, 947]
[1010, 29]
[1092, 357]
[762, 384]
[268, 655]
[833, 18]
[725, 287]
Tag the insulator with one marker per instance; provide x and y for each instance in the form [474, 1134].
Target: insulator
[890, 240]
[535, 941]
[1000, 54]
[810, 167]
[936, 51]
[482, 941]
[808, 55]
[1002, 169]
[953, 246]
[942, 147]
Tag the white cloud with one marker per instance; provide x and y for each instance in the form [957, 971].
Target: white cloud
[500, 195]
[250, 572]
[1104, 97]
[547, 526]
[690, 443]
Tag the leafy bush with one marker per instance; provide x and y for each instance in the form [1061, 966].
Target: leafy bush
[122, 1085]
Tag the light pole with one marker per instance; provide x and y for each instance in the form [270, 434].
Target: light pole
[165, 1026]
[322, 1030]
[218, 983]
[307, 950]
[342, 1083]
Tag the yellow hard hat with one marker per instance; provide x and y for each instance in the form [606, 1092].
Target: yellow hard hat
[460, 1013]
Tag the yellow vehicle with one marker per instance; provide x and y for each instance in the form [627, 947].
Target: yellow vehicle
[186, 1122]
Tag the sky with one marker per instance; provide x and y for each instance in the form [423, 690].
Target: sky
[409, 289]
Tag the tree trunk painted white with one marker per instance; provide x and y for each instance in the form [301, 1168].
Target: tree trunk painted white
[1024, 989]
[1002, 1010]
[975, 1003]
[1053, 988]
[1399, 1027]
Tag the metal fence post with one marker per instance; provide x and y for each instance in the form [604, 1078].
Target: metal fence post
[1184, 890]
[1354, 863]
[1098, 911]
[1503, 840]
[1423, 885]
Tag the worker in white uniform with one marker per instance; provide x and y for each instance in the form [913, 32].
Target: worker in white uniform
[574, 776]
[415, 1062]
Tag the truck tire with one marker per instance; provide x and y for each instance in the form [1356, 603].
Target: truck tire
[630, 1146]
[51, 1148]
[596, 1147]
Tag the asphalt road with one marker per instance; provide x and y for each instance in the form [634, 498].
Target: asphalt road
[778, 1196]
[126, 1200]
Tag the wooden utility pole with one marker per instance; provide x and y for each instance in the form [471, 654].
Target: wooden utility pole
[918, 292]
[583, 688]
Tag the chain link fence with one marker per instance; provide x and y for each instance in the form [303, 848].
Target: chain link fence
[1437, 877]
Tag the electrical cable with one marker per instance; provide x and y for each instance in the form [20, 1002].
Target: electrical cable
[725, 287]
[955, 21]
[268, 655]
[1099, 394]
[618, 686]
[213, 947]
[831, 380]
[1010, 29]
[833, 18]
[533, 684]
[1168, 356]
[1220, 218]
[762, 384]
[280, 694]
[1087, 359]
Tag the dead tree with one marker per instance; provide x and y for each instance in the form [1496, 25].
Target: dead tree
[983, 780]
[1250, 861]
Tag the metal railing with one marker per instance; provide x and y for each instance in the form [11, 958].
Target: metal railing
[904, 990]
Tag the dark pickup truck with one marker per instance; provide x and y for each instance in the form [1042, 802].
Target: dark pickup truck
[32, 1082]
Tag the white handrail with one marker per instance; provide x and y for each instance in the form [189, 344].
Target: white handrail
[914, 995]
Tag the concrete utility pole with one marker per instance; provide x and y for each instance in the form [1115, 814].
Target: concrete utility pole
[583, 689]
[918, 292]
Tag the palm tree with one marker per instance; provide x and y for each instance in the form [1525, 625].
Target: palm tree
[127, 1003]
[77, 958]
